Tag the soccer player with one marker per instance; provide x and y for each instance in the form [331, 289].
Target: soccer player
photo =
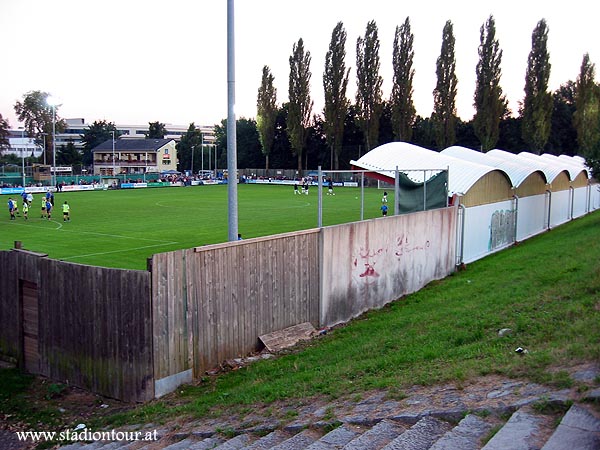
[66, 208]
[384, 198]
[296, 189]
[43, 207]
[330, 187]
[25, 210]
[384, 210]
[11, 208]
[48, 209]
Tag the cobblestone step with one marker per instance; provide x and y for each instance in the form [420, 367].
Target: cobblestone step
[420, 436]
[270, 440]
[299, 442]
[523, 431]
[467, 435]
[377, 437]
[336, 438]
[579, 429]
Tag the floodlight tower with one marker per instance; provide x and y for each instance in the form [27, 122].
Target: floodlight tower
[231, 126]
[23, 154]
[53, 102]
[113, 152]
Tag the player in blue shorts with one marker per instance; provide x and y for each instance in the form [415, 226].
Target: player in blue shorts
[48, 209]
[11, 208]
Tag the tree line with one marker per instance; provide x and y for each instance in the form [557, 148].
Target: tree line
[290, 134]
[564, 122]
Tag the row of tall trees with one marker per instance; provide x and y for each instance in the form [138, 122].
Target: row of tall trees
[540, 125]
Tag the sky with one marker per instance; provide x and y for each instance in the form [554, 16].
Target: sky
[140, 61]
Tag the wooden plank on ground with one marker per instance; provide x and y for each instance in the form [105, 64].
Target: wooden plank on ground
[278, 340]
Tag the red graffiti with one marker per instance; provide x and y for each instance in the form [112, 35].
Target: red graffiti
[403, 246]
[369, 272]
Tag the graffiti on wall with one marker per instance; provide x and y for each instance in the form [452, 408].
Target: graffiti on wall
[502, 229]
[368, 262]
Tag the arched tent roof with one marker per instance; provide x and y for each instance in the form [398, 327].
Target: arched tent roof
[574, 167]
[550, 172]
[517, 173]
[462, 174]
[578, 160]
[570, 170]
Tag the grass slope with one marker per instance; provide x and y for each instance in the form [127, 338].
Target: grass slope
[123, 228]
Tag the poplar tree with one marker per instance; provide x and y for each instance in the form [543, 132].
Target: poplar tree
[490, 105]
[266, 113]
[4, 133]
[586, 118]
[300, 104]
[444, 94]
[368, 94]
[536, 110]
[335, 83]
[403, 108]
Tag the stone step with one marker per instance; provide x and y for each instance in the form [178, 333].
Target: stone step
[185, 444]
[579, 429]
[237, 442]
[421, 436]
[377, 437]
[74, 446]
[299, 442]
[336, 439]
[523, 431]
[206, 444]
[467, 435]
[270, 440]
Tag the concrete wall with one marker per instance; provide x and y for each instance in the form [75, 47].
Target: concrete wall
[560, 208]
[487, 229]
[594, 196]
[580, 201]
[532, 216]
[368, 264]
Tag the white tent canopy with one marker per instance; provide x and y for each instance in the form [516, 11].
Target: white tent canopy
[408, 157]
[516, 172]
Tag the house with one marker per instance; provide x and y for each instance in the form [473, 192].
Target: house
[134, 156]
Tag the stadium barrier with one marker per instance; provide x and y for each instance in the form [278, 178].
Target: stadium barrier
[211, 303]
[136, 335]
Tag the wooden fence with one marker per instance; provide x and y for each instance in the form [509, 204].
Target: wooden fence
[88, 326]
[211, 303]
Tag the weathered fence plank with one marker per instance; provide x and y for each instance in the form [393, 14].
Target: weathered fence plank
[93, 327]
[234, 292]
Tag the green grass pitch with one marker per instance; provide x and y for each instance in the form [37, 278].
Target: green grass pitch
[123, 228]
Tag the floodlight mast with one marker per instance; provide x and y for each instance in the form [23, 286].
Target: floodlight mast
[231, 126]
[53, 102]
[23, 153]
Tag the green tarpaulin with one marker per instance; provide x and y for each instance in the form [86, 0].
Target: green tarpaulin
[434, 192]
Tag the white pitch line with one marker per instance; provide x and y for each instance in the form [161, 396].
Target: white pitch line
[60, 226]
[115, 251]
[120, 236]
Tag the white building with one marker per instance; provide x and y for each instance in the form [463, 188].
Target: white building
[22, 147]
[76, 128]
